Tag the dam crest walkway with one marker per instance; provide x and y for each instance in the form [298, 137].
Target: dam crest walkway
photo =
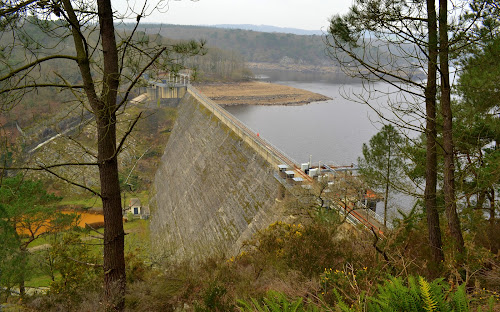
[353, 214]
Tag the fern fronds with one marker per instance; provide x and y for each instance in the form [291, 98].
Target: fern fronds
[439, 290]
[394, 296]
[251, 307]
[413, 297]
[430, 304]
[418, 296]
[459, 300]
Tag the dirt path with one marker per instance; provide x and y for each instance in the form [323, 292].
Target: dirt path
[258, 93]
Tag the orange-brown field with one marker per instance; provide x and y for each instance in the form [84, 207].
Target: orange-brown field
[258, 93]
[85, 218]
[89, 218]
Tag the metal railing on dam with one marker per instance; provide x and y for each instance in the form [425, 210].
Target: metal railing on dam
[276, 157]
[265, 149]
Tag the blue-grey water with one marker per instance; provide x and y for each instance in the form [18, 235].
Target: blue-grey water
[331, 131]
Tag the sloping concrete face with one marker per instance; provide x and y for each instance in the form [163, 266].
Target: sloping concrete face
[211, 191]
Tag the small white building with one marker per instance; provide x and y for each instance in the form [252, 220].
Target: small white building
[135, 207]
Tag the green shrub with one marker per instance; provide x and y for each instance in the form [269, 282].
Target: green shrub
[214, 300]
[305, 248]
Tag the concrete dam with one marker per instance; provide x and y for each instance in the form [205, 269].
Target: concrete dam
[217, 184]
[214, 187]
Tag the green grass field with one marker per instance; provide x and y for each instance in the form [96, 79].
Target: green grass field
[136, 242]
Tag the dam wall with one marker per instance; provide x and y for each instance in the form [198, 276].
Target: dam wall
[214, 187]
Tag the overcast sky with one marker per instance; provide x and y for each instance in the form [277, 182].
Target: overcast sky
[302, 14]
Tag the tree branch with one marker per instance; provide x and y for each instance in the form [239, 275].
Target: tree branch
[49, 167]
[122, 141]
[71, 182]
[83, 61]
[37, 62]
[41, 85]
[16, 8]
[127, 43]
[129, 89]
[380, 251]
[86, 263]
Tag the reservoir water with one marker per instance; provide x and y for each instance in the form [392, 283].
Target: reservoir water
[331, 131]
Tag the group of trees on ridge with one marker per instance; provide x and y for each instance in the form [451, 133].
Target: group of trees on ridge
[459, 136]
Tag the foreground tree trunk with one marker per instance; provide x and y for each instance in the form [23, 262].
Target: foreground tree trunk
[388, 179]
[104, 108]
[114, 261]
[22, 277]
[449, 166]
[491, 197]
[100, 68]
[432, 214]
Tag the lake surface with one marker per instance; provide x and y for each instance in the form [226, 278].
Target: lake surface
[331, 131]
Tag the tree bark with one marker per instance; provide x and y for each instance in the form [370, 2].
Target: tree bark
[388, 179]
[481, 197]
[448, 146]
[104, 108]
[491, 198]
[432, 214]
[114, 261]
[23, 264]
[114, 237]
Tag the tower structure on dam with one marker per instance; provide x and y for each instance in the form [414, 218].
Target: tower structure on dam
[168, 88]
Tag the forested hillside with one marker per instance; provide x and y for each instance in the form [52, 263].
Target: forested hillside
[38, 115]
[254, 46]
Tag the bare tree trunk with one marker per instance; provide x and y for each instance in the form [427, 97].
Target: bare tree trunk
[114, 262]
[114, 238]
[104, 109]
[22, 287]
[433, 226]
[449, 166]
[387, 180]
[481, 196]
[491, 197]
[23, 267]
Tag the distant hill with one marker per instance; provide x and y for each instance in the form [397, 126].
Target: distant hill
[271, 29]
[254, 46]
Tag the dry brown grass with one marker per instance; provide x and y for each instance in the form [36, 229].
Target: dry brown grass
[258, 93]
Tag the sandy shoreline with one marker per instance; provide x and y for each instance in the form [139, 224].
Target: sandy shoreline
[258, 93]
